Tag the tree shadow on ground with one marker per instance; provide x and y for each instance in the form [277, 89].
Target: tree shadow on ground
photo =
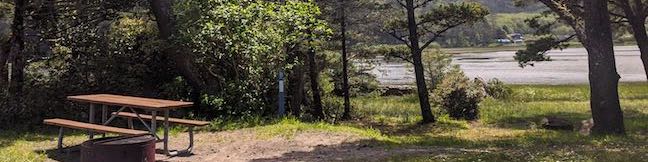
[531, 121]
[370, 150]
[73, 154]
[442, 149]
[9, 136]
[531, 145]
[68, 154]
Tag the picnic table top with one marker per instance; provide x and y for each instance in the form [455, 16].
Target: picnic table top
[130, 101]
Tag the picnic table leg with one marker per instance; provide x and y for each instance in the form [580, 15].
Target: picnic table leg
[92, 119]
[59, 145]
[153, 122]
[166, 132]
[104, 114]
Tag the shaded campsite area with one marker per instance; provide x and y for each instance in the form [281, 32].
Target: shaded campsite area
[509, 130]
[323, 80]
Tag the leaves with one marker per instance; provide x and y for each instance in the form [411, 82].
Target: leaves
[241, 44]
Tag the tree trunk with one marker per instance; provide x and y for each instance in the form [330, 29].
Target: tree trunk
[345, 63]
[318, 111]
[635, 13]
[640, 35]
[4, 54]
[415, 48]
[297, 89]
[15, 57]
[603, 76]
[166, 26]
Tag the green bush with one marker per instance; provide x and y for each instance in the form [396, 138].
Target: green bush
[459, 96]
[436, 65]
[240, 45]
[497, 89]
[333, 107]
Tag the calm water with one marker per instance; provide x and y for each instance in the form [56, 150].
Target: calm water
[568, 67]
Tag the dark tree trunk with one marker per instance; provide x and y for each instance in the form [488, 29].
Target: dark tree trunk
[183, 62]
[297, 89]
[4, 54]
[16, 56]
[636, 15]
[603, 76]
[415, 48]
[639, 30]
[345, 63]
[318, 111]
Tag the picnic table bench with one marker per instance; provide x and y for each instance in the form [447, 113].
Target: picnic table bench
[128, 103]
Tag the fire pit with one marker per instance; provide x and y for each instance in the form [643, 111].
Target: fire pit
[123, 148]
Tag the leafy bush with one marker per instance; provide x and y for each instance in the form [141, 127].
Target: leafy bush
[333, 107]
[436, 65]
[459, 96]
[497, 89]
[239, 46]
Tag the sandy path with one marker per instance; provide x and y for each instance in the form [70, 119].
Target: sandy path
[246, 145]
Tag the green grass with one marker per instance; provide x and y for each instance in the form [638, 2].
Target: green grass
[510, 126]
[507, 130]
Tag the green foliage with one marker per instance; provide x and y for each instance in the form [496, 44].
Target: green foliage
[436, 64]
[459, 96]
[240, 45]
[452, 14]
[504, 132]
[437, 20]
[497, 89]
[390, 52]
[537, 50]
[118, 56]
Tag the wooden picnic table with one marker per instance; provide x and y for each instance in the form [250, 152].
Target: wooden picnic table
[130, 102]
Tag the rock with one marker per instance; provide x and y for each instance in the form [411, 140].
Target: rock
[555, 123]
[586, 127]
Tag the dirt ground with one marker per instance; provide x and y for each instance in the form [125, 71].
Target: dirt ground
[246, 145]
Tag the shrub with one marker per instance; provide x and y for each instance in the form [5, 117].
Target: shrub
[436, 65]
[333, 107]
[459, 96]
[497, 89]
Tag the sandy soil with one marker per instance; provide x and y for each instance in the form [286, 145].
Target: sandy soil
[246, 145]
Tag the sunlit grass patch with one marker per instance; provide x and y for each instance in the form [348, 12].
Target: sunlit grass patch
[288, 127]
[21, 150]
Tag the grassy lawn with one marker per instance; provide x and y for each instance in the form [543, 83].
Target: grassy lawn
[507, 131]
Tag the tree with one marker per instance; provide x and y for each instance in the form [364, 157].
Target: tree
[592, 26]
[239, 46]
[636, 12]
[347, 17]
[345, 66]
[631, 13]
[12, 58]
[426, 27]
[604, 79]
[183, 62]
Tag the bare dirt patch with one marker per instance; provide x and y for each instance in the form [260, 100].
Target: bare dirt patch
[247, 145]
